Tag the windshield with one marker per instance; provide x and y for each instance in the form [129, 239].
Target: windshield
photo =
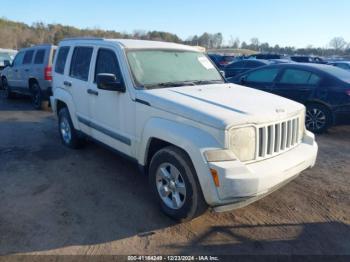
[166, 68]
[5, 56]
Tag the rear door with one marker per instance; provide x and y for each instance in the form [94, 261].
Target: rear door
[263, 79]
[297, 84]
[25, 70]
[78, 82]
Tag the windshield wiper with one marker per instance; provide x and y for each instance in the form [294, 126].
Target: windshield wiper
[169, 84]
[207, 82]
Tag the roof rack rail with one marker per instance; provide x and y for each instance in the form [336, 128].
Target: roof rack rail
[83, 38]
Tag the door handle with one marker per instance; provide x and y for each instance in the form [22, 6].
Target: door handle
[16, 70]
[92, 92]
[67, 83]
[27, 70]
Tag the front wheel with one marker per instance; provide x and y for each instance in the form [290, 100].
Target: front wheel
[318, 118]
[174, 184]
[8, 94]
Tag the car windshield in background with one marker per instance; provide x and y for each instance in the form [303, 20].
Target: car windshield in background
[339, 73]
[169, 68]
[5, 56]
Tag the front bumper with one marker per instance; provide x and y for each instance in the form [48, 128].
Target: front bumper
[242, 184]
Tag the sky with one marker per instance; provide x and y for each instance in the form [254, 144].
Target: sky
[296, 23]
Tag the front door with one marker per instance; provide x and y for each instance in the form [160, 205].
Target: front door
[112, 113]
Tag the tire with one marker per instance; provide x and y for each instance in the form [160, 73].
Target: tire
[8, 94]
[36, 96]
[69, 135]
[318, 118]
[174, 184]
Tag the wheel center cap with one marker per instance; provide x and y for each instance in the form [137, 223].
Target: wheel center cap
[172, 185]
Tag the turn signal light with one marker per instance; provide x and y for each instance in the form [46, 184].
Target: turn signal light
[215, 176]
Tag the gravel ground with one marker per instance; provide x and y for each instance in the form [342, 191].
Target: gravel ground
[59, 201]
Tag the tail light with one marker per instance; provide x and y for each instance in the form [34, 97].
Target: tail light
[48, 73]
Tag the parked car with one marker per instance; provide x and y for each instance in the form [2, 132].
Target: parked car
[323, 89]
[30, 74]
[201, 141]
[221, 60]
[266, 56]
[242, 66]
[308, 59]
[6, 58]
[341, 64]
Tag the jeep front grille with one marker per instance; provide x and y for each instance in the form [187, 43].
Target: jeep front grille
[276, 138]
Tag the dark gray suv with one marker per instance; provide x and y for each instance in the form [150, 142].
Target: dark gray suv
[30, 73]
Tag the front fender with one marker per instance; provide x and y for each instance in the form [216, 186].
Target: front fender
[62, 95]
[192, 140]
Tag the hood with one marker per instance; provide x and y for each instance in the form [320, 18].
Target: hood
[222, 105]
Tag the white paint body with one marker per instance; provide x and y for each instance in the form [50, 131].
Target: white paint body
[194, 118]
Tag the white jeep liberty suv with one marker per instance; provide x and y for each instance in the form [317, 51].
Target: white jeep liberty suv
[201, 141]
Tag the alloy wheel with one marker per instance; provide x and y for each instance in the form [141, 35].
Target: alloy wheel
[171, 186]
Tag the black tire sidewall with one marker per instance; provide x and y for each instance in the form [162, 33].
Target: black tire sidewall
[326, 112]
[36, 90]
[190, 207]
[6, 88]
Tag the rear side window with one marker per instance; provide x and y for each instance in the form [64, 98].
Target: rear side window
[80, 63]
[263, 75]
[39, 57]
[107, 63]
[61, 59]
[28, 57]
[299, 77]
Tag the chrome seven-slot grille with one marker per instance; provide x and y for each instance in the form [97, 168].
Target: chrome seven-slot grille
[276, 138]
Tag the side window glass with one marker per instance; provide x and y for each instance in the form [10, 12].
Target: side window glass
[18, 59]
[292, 76]
[61, 59]
[80, 63]
[314, 79]
[28, 57]
[263, 75]
[39, 57]
[107, 62]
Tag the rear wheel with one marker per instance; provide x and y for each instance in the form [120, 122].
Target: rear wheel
[318, 118]
[174, 184]
[36, 96]
[8, 94]
[69, 135]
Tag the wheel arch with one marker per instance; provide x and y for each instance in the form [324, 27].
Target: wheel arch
[159, 133]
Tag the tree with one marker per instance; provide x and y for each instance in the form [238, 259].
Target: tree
[338, 43]
[255, 43]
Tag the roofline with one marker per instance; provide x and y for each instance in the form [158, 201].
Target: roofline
[83, 38]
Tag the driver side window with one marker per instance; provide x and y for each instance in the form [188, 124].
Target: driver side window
[18, 59]
[107, 63]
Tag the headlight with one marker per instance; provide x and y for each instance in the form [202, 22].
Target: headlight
[243, 143]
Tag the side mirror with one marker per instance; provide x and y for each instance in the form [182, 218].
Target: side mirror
[109, 82]
[7, 63]
[243, 79]
[222, 72]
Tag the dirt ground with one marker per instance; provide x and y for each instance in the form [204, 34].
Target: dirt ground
[59, 201]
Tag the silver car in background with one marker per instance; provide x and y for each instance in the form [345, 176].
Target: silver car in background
[30, 73]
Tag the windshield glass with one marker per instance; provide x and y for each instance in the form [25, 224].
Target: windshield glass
[5, 56]
[166, 68]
